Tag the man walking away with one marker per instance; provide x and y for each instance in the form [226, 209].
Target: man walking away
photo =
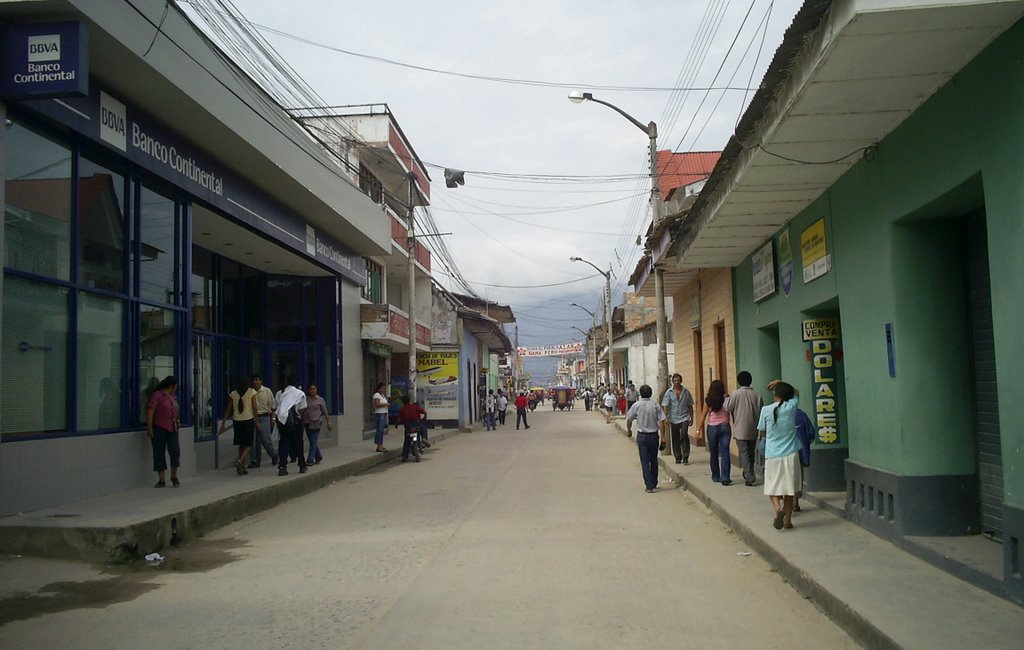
[502, 407]
[490, 406]
[678, 407]
[290, 403]
[744, 407]
[521, 404]
[648, 422]
[265, 405]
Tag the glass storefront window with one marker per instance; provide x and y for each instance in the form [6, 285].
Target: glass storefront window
[35, 348]
[284, 309]
[157, 351]
[158, 259]
[204, 290]
[101, 227]
[252, 299]
[231, 309]
[100, 362]
[37, 204]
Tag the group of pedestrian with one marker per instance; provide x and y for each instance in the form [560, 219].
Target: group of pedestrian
[256, 411]
[771, 429]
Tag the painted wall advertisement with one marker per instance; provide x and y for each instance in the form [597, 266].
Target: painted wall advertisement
[814, 252]
[437, 386]
[764, 272]
[823, 335]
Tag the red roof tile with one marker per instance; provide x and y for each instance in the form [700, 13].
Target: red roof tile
[680, 169]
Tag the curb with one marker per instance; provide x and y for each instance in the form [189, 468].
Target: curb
[855, 624]
[126, 543]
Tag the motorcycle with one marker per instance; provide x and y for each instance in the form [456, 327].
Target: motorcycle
[412, 442]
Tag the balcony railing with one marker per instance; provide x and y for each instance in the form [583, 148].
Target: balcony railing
[400, 235]
[387, 322]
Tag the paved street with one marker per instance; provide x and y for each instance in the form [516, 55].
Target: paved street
[510, 539]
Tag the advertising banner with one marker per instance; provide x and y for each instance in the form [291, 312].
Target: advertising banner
[551, 350]
[437, 386]
[814, 252]
[823, 335]
[764, 272]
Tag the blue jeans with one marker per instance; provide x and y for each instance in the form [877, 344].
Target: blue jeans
[262, 440]
[489, 420]
[648, 446]
[314, 446]
[718, 446]
[382, 425]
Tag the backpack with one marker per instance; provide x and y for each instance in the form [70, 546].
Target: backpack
[294, 421]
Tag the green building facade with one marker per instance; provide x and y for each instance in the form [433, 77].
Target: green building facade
[922, 270]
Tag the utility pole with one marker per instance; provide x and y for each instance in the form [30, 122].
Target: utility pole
[411, 240]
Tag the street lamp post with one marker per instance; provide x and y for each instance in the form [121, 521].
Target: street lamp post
[591, 338]
[651, 129]
[591, 342]
[608, 311]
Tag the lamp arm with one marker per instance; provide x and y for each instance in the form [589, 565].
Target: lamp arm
[643, 127]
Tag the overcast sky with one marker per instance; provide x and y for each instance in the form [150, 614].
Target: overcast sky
[518, 232]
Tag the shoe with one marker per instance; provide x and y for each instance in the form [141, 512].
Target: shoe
[726, 482]
[318, 461]
[679, 461]
[273, 460]
[649, 490]
[788, 526]
[302, 470]
[686, 461]
[160, 484]
[796, 508]
[715, 480]
[239, 469]
[777, 522]
[527, 427]
[175, 482]
[253, 464]
[748, 483]
[282, 471]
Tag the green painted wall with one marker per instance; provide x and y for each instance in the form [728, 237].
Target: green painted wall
[893, 226]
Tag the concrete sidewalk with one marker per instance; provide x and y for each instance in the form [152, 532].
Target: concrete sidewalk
[127, 525]
[881, 595]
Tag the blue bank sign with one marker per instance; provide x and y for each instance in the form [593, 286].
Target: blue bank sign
[44, 60]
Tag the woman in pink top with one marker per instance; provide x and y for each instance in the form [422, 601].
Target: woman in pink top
[162, 430]
[716, 418]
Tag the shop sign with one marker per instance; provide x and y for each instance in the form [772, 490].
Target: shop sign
[437, 386]
[144, 141]
[814, 252]
[823, 335]
[764, 272]
[786, 263]
[44, 60]
[378, 350]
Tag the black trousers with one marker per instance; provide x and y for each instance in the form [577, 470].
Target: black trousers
[501, 417]
[521, 415]
[291, 445]
[748, 452]
[680, 440]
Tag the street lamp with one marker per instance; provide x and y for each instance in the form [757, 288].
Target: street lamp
[608, 310]
[651, 129]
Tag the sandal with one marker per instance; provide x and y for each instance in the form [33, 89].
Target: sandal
[160, 484]
[239, 469]
[779, 517]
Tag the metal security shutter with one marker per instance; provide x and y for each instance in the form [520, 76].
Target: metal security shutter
[983, 361]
